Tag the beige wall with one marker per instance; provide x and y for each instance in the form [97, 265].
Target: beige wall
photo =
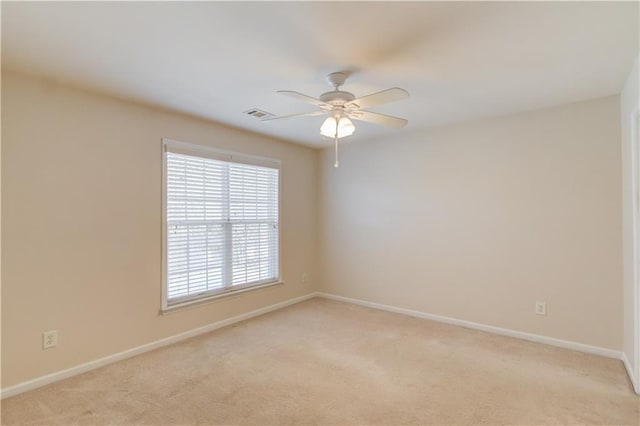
[630, 102]
[81, 221]
[477, 221]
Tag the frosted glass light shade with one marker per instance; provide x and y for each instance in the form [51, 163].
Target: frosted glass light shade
[345, 127]
[328, 128]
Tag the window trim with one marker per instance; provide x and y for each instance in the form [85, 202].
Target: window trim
[223, 155]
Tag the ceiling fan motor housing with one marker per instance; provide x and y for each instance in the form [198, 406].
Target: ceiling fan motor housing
[337, 97]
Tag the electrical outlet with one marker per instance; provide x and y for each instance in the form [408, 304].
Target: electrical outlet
[541, 308]
[49, 339]
[305, 277]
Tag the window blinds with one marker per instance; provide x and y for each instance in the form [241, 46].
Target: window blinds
[221, 225]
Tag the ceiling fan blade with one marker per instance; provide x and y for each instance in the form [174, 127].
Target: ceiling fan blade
[377, 118]
[304, 98]
[302, 114]
[378, 98]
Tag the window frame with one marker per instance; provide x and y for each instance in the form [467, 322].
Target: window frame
[170, 145]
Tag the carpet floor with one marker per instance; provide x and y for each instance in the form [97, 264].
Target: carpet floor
[326, 362]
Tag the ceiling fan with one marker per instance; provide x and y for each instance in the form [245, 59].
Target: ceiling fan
[341, 106]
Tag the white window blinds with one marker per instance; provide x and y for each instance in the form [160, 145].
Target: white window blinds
[221, 224]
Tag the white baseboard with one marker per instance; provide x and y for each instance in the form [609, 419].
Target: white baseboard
[91, 365]
[632, 374]
[581, 347]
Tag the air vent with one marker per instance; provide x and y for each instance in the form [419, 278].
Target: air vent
[258, 113]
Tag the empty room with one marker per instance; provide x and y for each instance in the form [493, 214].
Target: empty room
[334, 213]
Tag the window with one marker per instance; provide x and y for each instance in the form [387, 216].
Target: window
[220, 222]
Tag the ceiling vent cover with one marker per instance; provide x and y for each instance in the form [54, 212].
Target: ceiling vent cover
[258, 113]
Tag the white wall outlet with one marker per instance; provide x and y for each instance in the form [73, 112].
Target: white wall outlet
[305, 277]
[541, 308]
[49, 339]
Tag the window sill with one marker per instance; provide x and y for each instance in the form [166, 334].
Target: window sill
[214, 297]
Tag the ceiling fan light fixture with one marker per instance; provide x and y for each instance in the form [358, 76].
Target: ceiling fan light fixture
[328, 128]
[343, 127]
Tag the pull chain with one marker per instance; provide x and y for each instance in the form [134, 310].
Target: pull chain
[335, 140]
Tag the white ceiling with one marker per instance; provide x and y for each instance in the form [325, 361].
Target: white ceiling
[458, 60]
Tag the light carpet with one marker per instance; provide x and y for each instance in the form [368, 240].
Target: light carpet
[326, 362]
